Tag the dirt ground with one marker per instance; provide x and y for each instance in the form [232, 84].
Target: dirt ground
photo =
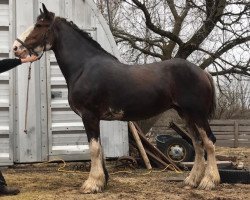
[44, 182]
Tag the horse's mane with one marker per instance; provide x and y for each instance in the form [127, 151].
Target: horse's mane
[85, 35]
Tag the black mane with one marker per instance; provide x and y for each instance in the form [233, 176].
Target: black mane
[85, 35]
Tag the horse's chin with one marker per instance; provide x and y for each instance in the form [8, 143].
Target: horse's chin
[21, 55]
[39, 50]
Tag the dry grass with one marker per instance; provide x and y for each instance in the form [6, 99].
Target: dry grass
[44, 182]
[242, 154]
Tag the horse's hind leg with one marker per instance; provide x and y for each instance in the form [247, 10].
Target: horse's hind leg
[98, 175]
[198, 169]
[211, 177]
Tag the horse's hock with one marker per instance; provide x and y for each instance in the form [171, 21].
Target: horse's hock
[53, 130]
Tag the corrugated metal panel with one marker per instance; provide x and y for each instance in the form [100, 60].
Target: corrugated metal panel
[4, 13]
[67, 131]
[4, 26]
[27, 146]
[54, 130]
[4, 39]
[6, 156]
[114, 138]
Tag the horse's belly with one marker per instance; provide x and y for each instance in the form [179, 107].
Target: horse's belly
[138, 107]
[143, 114]
[134, 112]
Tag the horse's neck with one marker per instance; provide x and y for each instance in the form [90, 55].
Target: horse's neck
[72, 51]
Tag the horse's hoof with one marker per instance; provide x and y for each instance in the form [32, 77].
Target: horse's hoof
[208, 184]
[188, 187]
[191, 181]
[90, 190]
[90, 187]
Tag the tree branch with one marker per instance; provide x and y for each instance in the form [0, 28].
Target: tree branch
[172, 8]
[135, 46]
[207, 27]
[168, 49]
[154, 28]
[224, 48]
[120, 34]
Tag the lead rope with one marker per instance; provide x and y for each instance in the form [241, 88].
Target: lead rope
[28, 87]
[27, 100]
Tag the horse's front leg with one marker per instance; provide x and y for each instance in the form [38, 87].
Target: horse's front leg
[98, 175]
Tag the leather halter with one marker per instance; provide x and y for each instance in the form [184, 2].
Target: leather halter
[31, 50]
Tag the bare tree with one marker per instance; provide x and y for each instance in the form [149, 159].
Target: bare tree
[210, 33]
[233, 101]
[214, 34]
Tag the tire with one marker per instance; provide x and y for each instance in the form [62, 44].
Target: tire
[161, 141]
[234, 176]
[178, 150]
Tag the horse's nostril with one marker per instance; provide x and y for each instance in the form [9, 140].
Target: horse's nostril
[15, 48]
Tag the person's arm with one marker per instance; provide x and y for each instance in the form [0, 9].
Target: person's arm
[8, 64]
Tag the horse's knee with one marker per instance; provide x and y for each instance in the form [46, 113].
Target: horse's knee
[95, 147]
[209, 146]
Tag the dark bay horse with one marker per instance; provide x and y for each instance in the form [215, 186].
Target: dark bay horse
[102, 88]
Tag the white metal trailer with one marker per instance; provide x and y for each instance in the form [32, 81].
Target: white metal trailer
[54, 130]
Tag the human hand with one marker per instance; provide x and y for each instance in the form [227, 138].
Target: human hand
[32, 58]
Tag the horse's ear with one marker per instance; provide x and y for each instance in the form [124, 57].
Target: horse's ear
[45, 10]
[41, 12]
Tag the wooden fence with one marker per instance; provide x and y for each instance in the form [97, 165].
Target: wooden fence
[229, 133]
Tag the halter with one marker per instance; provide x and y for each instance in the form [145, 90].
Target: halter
[31, 50]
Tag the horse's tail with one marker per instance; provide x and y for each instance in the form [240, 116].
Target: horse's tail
[212, 108]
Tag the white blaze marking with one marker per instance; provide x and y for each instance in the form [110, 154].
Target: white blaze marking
[23, 36]
[39, 49]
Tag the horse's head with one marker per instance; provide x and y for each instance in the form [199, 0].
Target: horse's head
[38, 38]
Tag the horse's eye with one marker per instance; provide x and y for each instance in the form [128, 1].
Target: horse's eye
[38, 25]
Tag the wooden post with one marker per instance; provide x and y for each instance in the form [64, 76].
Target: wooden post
[139, 145]
[153, 149]
[157, 159]
[236, 134]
